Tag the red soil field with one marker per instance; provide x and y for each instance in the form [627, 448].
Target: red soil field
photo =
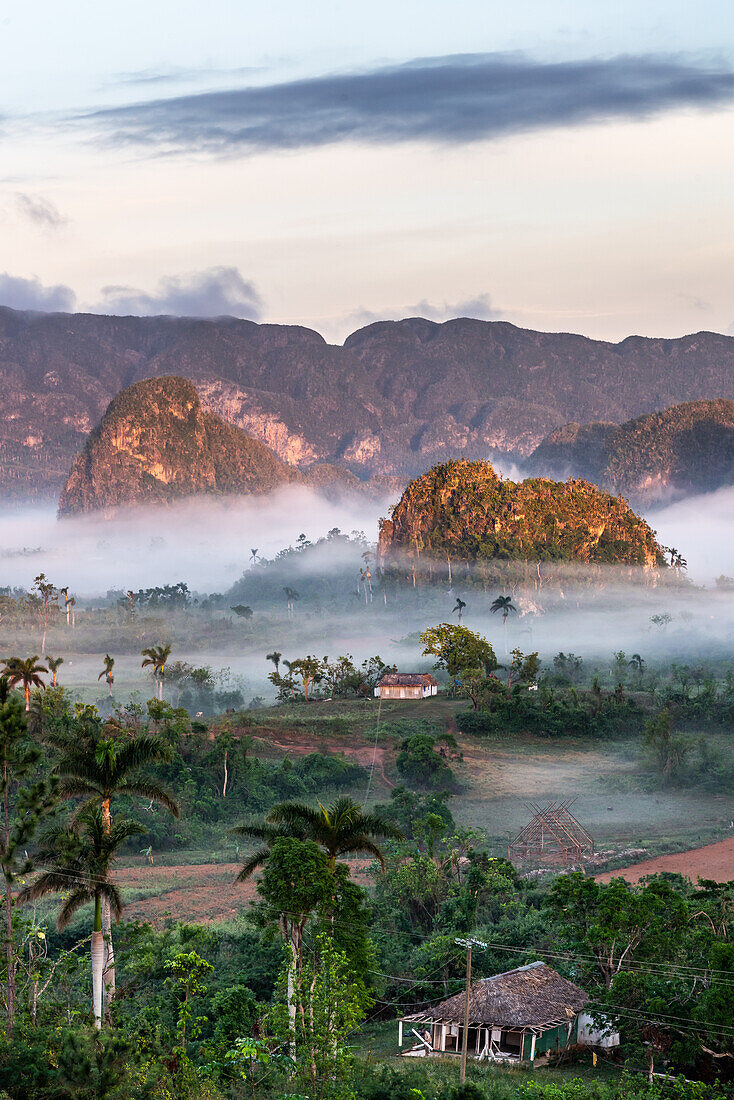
[715, 861]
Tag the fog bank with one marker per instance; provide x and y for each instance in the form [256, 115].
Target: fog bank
[206, 543]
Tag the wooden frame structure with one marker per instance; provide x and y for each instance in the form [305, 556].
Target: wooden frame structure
[553, 834]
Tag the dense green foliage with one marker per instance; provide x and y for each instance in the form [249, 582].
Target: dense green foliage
[465, 511]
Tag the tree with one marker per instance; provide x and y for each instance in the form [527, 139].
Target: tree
[48, 595]
[670, 749]
[185, 972]
[460, 605]
[523, 667]
[26, 672]
[458, 649]
[332, 1002]
[275, 658]
[505, 605]
[19, 759]
[613, 923]
[109, 664]
[636, 662]
[78, 861]
[309, 669]
[291, 596]
[97, 769]
[54, 664]
[340, 829]
[242, 611]
[156, 657]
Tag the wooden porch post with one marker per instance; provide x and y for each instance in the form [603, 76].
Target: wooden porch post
[400, 1033]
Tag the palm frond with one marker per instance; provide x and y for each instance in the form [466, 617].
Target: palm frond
[364, 844]
[148, 788]
[139, 751]
[79, 896]
[114, 900]
[251, 865]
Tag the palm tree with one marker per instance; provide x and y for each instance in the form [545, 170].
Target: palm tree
[291, 596]
[65, 593]
[109, 664]
[505, 605]
[340, 829]
[26, 672]
[98, 769]
[156, 656]
[275, 658]
[77, 862]
[253, 555]
[54, 663]
[460, 605]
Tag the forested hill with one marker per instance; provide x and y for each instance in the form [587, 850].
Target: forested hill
[683, 450]
[156, 444]
[465, 511]
[397, 396]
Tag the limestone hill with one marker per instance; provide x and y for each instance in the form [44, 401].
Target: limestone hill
[156, 443]
[686, 449]
[465, 511]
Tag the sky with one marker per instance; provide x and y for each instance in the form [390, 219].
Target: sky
[560, 164]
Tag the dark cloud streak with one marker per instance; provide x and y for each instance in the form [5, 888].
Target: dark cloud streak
[453, 100]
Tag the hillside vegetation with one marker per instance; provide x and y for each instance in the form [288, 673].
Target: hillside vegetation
[464, 510]
[395, 398]
[157, 443]
[685, 449]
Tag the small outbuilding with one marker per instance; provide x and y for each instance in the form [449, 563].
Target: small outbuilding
[522, 1015]
[406, 685]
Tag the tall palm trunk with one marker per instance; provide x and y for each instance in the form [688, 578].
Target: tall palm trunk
[97, 962]
[109, 949]
[27, 691]
[10, 961]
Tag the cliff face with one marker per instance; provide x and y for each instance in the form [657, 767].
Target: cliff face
[398, 395]
[465, 511]
[156, 443]
[685, 449]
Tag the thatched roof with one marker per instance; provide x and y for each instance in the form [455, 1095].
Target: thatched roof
[530, 996]
[407, 679]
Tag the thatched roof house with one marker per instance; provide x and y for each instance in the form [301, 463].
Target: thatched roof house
[519, 1015]
[406, 685]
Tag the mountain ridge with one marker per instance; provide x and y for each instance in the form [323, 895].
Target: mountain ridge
[395, 398]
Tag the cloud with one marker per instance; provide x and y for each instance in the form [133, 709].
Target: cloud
[693, 301]
[214, 292]
[40, 211]
[31, 294]
[479, 307]
[456, 99]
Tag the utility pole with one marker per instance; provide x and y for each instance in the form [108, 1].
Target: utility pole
[468, 944]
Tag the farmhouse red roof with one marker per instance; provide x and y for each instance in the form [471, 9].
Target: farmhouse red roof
[407, 679]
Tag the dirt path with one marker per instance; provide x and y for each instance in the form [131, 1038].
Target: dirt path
[715, 861]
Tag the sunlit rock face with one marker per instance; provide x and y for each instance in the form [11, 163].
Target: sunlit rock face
[465, 511]
[156, 443]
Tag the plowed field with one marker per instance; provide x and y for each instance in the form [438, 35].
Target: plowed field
[714, 861]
